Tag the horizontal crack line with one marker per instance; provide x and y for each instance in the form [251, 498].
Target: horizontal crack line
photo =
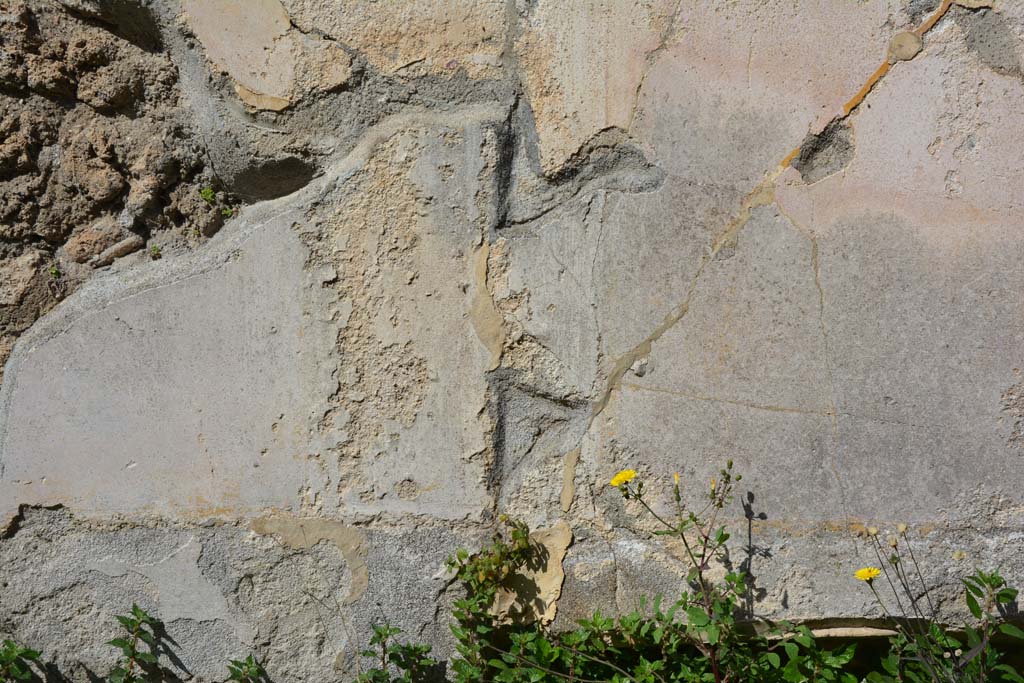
[733, 402]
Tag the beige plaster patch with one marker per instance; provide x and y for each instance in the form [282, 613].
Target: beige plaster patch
[304, 533]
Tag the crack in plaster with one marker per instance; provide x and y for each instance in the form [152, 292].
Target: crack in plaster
[733, 402]
[833, 412]
[763, 194]
[650, 59]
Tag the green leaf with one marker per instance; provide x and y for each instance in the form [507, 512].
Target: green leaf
[697, 617]
[1009, 673]
[146, 657]
[773, 659]
[792, 672]
[1011, 630]
[971, 588]
[972, 604]
[841, 659]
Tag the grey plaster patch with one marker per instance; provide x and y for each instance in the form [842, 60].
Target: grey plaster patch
[918, 10]
[990, 37]
[183, 591]
[163, 399]
[151, 391]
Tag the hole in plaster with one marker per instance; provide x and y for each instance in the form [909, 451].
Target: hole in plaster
[825, 153]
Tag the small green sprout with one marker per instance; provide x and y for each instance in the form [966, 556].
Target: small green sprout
[135, 663]
[54, 271]
[208, 195]
[154, 252]
[247, 670]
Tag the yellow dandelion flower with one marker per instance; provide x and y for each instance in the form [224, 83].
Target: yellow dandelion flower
[623, 477]
[901, 528]
[676, 477]
[867, 573]
[713, 484]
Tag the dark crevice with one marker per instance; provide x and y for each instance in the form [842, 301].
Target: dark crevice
[14, 526]
[608, 161]
[504, 174]
[917, 10]
[127, 19]
[271, 179]
[825, 153]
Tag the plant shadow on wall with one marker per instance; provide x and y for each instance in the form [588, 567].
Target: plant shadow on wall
[709, 634]
[144, 648]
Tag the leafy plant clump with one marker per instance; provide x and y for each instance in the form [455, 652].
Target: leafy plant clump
[695, 638]
[412, 662]
[246, 670]
[706, 635]
[139, 661]
[926, 651]
[16, 662]
[137, 664]
[700, 637]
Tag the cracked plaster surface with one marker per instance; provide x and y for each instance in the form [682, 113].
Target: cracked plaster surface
[637, 251]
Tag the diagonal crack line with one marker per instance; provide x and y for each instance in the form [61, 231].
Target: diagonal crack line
[649, 60]
[878, 74]
[763, 194]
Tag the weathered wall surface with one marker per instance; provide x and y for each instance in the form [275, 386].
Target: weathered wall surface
[476, 257]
